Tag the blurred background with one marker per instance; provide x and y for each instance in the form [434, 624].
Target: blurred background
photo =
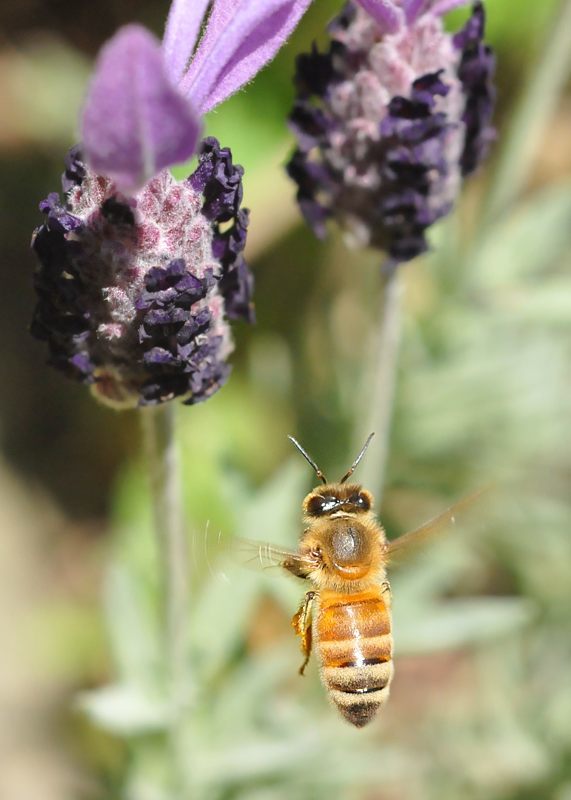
[481, 701]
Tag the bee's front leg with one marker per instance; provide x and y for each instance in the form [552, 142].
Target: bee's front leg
[301, 623]
[386, 593]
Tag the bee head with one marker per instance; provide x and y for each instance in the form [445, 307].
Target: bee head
[333, 498]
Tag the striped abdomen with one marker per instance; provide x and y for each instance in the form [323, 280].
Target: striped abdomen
[353, 642]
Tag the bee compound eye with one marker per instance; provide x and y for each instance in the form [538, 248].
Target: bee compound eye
[322, 504]
[316, 506]
[361, 501]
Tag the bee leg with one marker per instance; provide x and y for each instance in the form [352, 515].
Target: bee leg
[301, 623]
[386, 593]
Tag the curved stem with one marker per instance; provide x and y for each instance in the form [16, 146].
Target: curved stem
[166, 490]
[380, 382]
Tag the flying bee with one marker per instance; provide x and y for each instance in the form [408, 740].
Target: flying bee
[346, 616]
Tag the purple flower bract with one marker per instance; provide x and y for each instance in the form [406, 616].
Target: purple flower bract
[146, 98]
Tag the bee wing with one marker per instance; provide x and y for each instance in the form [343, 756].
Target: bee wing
[409, 541]
[262, 555]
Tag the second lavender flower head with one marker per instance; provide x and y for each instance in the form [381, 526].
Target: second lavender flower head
[389, 119]
[139, 274]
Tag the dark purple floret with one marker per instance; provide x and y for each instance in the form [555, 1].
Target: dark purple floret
[117, 213]
[221, 184]
[74, 169]
[58, 217]
[387, 185]
[414, 142]
[476, 71]
[133, 294]
[175, 358]
[310, 124]
[314, 72]
[172, 287]
[411, 157]
[312, 178]
[219, 181]
[61, 317]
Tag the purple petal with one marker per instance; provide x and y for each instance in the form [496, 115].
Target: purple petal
[444, 6]
[385, 13]
[240, 38]
[135, 122]
[181, 33]
[413, 8]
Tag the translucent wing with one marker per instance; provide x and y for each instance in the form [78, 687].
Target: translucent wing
[262, 555]
[408, 542]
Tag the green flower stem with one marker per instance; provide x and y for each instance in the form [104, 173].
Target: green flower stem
[166, 491]
[379, 387]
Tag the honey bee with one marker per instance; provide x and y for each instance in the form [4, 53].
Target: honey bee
[346, 616]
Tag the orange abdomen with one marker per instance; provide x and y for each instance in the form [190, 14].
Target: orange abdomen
[353, 642]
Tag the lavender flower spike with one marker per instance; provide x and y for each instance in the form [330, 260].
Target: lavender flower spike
[389, 120]
[139, 274]
[143, 107]
[135, 294]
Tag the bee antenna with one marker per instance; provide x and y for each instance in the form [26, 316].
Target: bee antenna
[309, 459]
[353, 466]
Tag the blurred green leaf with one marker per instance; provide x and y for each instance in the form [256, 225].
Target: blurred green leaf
[227, 599]
[133, 628]
[125, 710]
[532, 241]
[547, 79]
[273, 513]
[460, 623]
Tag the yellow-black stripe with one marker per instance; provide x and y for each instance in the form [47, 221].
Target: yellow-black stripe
[353, 641]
